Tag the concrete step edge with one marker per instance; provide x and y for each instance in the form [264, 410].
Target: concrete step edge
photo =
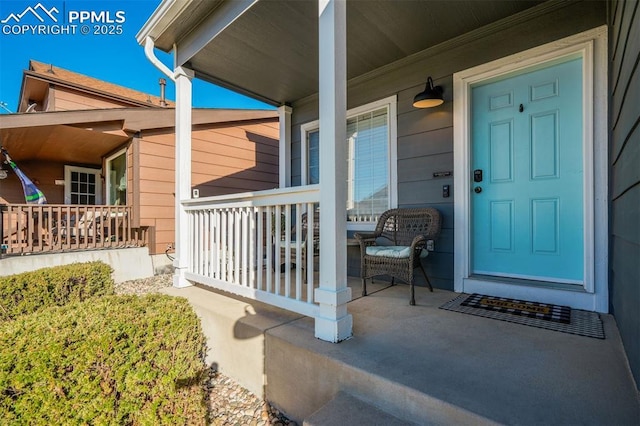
[396, 399]
[346, 409]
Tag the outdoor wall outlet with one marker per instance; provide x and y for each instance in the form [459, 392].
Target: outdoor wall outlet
[430, 245]
[196, 193]
[445, 191]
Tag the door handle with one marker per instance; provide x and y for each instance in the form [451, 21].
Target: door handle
[477, 189]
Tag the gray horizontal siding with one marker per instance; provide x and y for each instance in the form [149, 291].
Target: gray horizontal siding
[625, 170]
[425, 136]
[624, 153]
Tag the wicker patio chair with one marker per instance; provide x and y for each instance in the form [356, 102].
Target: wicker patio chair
[406, 232]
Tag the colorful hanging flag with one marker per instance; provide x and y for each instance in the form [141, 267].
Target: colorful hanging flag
[32, 194]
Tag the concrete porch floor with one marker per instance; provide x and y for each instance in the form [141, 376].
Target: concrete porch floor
[421, 364]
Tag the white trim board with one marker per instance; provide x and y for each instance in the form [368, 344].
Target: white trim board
[592, 47]
[107, 180]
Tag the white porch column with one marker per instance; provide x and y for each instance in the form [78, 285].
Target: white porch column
[183, 77]
[284, 113]
[334, 323]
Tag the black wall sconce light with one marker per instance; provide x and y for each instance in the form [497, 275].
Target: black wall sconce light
[430, 97]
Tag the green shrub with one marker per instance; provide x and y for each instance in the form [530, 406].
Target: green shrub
[120, 360]
[27, 292]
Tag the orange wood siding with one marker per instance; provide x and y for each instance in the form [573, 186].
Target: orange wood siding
[226, 159]
[69, 100]
[43, 174]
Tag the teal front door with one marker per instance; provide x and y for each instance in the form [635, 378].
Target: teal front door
[527, 214]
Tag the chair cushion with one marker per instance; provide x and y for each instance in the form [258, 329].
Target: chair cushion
[399, 252]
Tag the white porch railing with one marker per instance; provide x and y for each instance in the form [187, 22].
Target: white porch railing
[247, 244]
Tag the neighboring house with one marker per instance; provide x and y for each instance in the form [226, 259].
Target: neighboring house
[540, 111]
[47, 88]
[87, 143]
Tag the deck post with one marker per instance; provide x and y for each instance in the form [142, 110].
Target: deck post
[284, 113]
[333, 323]
[183, 77]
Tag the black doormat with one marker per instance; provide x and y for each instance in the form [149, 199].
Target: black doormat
[543, 311]
[541, 315]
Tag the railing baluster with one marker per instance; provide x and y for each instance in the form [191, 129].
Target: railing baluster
[251, 214]
[287, 250]
[193, 230]
[218, 253]
[29, 228]
[100, 229]
[298, 249]
[259, 212]
[310, 250]
[209, 243]
[278, 252]
[198, 248]
[230, 247]
[269, 247]
[189, 248]
[46, 227]
[223, 245]
[204, 235]
[87, 229]
[127, 223]
[233, 247]
[199, 237]
[194, 245]
[245, 247]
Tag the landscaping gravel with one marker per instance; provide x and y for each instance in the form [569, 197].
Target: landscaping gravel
[229, 403]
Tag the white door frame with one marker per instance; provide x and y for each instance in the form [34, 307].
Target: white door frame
[107, 179]
[593, 294]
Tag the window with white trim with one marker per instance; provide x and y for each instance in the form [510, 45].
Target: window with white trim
[116, 178]
[82, 185]
[370, 152]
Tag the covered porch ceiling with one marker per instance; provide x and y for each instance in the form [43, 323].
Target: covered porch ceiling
[60, 143]
[67, 137]
[268, 49]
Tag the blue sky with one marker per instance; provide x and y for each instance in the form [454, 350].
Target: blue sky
[116, 58]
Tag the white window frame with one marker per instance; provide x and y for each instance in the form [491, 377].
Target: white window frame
[106, 168]
[67, 182]
[392, 179]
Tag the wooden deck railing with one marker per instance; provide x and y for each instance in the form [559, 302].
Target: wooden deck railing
[26, 228]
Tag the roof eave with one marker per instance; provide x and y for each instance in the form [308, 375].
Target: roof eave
[133, 119]
[161, 19]
[90, 90]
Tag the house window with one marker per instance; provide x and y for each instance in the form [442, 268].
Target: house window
[370, 152]
[82, 186]
[116, 167]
